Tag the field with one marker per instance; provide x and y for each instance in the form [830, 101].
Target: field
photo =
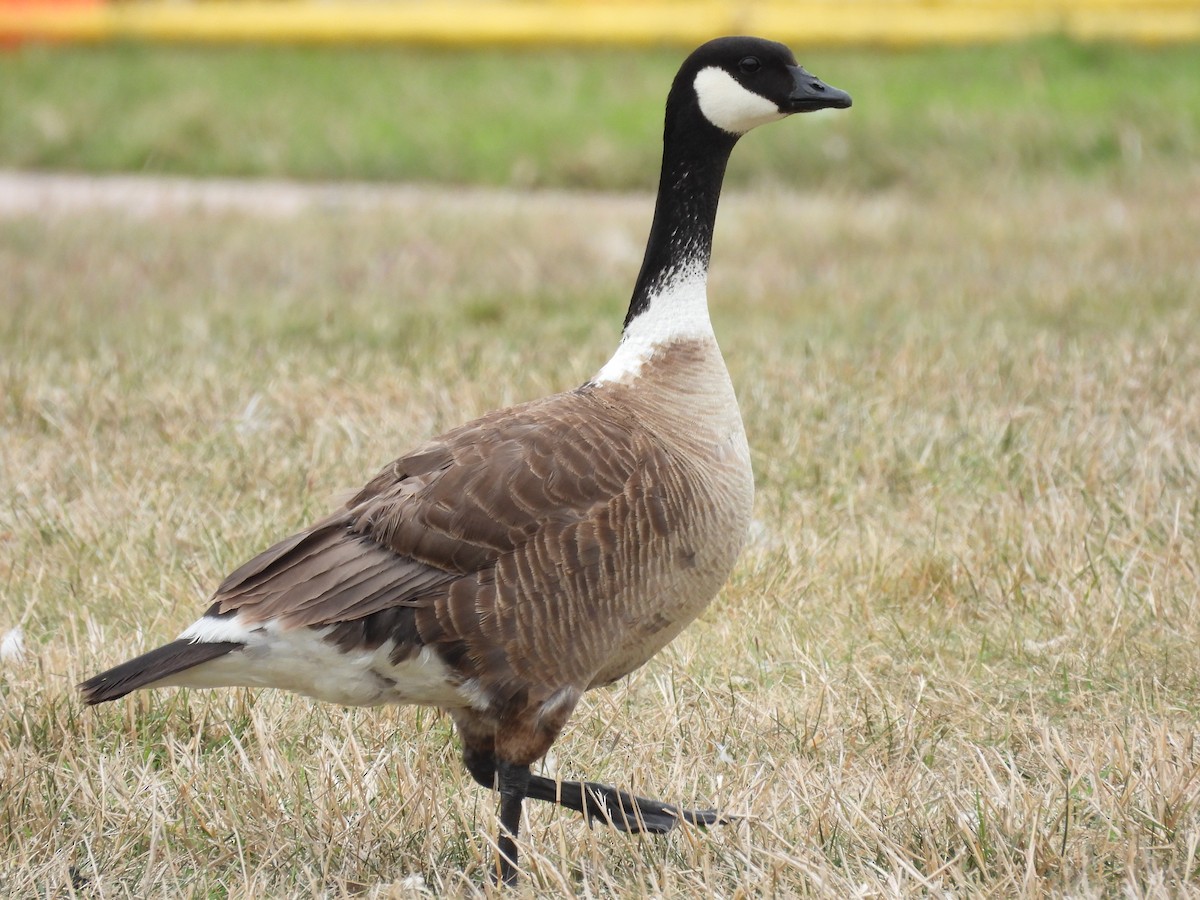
[945, 118]
[961, 654]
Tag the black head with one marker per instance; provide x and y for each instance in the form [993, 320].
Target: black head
[739, 83]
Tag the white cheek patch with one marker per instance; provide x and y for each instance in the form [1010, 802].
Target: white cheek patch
[730, 106]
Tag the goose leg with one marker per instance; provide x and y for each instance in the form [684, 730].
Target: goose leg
[597, 802]
[513, 784]
[623, 811]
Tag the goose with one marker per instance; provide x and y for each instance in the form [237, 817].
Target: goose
[503, 568]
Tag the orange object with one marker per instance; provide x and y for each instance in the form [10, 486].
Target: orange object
[11, 36]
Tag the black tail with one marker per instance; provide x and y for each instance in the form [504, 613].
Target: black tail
[151, 667]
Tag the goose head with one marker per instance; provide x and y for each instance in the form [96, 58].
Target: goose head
[739, 83]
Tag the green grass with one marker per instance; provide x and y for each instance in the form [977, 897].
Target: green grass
[587, 118]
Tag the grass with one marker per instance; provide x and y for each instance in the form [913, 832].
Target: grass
[935, 118]
[959, 656]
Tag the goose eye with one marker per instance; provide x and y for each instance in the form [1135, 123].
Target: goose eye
[750, 65]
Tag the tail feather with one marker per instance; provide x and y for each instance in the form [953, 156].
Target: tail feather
[151, 667]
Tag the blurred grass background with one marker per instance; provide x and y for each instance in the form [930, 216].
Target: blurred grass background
[589, 118]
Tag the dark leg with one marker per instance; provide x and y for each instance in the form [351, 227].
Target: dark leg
[624, 811]
[498, 757]
[513, 784]
[598, 802]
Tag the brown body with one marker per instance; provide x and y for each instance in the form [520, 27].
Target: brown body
[537, 552]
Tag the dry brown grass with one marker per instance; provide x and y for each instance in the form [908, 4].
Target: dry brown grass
[960, 656]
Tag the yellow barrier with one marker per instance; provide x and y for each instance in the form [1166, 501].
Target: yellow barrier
[492, 22]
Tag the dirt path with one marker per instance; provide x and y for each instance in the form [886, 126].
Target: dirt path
[39, 193]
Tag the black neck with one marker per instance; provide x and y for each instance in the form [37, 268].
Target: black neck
[695, 153]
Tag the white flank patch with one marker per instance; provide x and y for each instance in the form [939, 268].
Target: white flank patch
[677, 312]
[730, 106]
[209, 630]
[300, 660]
[12, 646]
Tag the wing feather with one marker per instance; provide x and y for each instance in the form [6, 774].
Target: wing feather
[511, 506]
